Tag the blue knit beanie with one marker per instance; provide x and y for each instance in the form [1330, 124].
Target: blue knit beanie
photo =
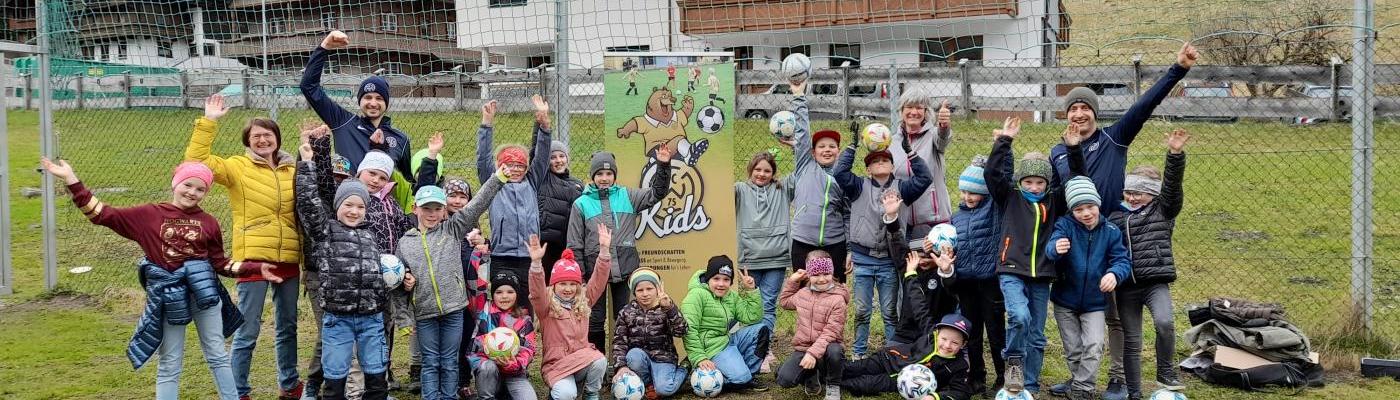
[972, 180]
[375, 84]
[1080, 190]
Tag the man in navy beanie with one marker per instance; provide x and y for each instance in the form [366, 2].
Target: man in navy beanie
[354, 135]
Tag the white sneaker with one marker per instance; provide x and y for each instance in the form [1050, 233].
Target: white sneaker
[833, 392]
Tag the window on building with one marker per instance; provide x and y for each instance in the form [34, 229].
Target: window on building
[646, 61]
[389, 22]
[743, 56]
[194, 50]
[121, 50]
[102, 51]
[328, 21]
[89, 53]
[505, 3]
[947, 51]
[804, 49]
[843, 53]
[536, 61]
[452, 31]
[163, 49]
[209, 50]
[393, 68]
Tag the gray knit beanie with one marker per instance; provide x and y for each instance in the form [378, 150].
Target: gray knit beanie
[1082, 95]
[602, 160]
[350, 187]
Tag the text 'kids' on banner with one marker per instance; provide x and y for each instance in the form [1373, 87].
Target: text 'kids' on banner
[684, 101]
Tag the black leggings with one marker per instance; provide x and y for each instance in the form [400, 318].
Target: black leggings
[827, 371]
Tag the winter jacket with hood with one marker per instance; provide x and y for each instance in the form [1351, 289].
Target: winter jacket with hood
[866, 226]
[979, 231]
[764, 218]
[168, 301]
[709, 318]
[819, 208]
[566, 346]
[652, 330]
[347, 258]
[821, 316]
[435, 257]
[1106, 150]
[492, 318]
[1148, 230]
[1092, 253]
[1025, 225]
[557, 193]
[260, 196]
[620, 209]
[515, 213]
[932, 206]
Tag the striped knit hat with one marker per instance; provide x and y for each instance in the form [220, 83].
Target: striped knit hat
[1080, 190]
[643, 275]
[972, 180]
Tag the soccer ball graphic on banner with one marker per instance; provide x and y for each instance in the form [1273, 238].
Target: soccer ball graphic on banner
[943, 235]
[915, 381]
[706, 383]
[782, 125]
[711, 119]
[1005, 395]
[392, 269]
[629, 387]
[501, 342]
[876, 137]
[797, 67]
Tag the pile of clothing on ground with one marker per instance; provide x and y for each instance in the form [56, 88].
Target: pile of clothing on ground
[1249, 345]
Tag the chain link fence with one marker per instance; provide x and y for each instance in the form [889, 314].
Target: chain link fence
[1269, 182]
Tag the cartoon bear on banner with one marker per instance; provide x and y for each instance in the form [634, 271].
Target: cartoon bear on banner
[663, 125]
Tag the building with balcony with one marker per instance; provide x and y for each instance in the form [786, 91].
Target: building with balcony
[523, 32]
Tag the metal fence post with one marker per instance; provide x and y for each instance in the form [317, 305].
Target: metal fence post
[247, 89]
[126, 87]
[1362, 159]
[7, 277]
[1336, 81]
[846, 92]
[47, 148]
[457, 94]
[561, 70]
[29, 91]
[964, 69]
[184, 89]
[79, 78]
[893, 92]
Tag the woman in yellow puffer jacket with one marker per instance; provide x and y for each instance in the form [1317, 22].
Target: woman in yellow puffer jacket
[260, 193]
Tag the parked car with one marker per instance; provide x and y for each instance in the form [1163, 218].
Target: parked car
[1205, 91]
[829, 90]
[1321, 92]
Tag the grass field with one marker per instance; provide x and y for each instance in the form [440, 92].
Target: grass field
[1266, 218]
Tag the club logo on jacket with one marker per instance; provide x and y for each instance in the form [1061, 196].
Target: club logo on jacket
[392, 141]
[932, 284]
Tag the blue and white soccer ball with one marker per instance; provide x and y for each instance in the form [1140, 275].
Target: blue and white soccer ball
[1005, 395]
[629, 387]
[1165, 394]
[797, 67]
[392, 269]
[711, 119]
[783, 125]
[916, 381]
[706, 383]
[943, 235]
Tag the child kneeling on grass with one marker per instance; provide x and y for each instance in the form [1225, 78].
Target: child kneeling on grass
[510, 374]
[570, 361]
[711, 308]
[1095, 260]
[644, 340]
[183, 251]
[817, 355]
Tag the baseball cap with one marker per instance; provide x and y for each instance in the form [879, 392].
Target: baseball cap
[428, 195]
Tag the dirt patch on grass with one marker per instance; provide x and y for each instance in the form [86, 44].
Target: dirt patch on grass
[63, 300]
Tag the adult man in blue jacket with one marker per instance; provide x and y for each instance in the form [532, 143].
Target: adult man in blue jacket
[354, 135]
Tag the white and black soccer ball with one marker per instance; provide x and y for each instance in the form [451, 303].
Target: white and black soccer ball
[915, 381]
[710, 119]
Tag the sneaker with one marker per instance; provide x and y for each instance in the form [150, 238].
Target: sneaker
[1060, 389]
[1015, 379]
[1116, 390]
[812, 387]
[293, 394]
[1171, 383]
[833, 392]
[757, 385]
[1077, 394]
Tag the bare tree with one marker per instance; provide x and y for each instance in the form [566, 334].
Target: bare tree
[1285, 33]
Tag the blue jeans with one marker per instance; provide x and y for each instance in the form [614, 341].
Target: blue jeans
[770, 283]
[870, 278]
[440, 339]
[739, 361]
[1026, 303]
[251, 296]
[566, 388]
[664, 377]
[209, 324]
[342, 334]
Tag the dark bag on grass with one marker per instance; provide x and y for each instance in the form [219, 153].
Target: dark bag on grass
[1290, 374]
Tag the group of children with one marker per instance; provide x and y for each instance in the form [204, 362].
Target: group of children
[1031, 232]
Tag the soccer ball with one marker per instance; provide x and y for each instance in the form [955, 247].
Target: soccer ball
[501, 342]
[797, 67]
[876, 137]
[1164, 394]
[706, 383]
[783, 124]
[1005, 395]
[711, 119]
[392, 269]
[916, 381]
[943, 235]
[629, 387]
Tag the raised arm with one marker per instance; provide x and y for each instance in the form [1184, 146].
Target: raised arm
[1128, 127]
[330, 112]
[802, 135]
[202, 139]
[910, 189]
[660, 182]
[485, 160]
[312, 211]
[848, 181]
[540, 145]
[598, 281]
[466, 219]
[1173, 195]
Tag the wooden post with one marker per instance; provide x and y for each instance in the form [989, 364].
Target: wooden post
[126, 87]
[963, 74]
[1336, 81]
[79, 78]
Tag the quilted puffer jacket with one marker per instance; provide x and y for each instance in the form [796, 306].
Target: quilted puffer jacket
[173, 297]
[1148, 230]
[348, 260]
[821, 316]
[652, 330]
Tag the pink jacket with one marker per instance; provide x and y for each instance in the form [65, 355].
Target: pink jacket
[821, 316]
[566, 346]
